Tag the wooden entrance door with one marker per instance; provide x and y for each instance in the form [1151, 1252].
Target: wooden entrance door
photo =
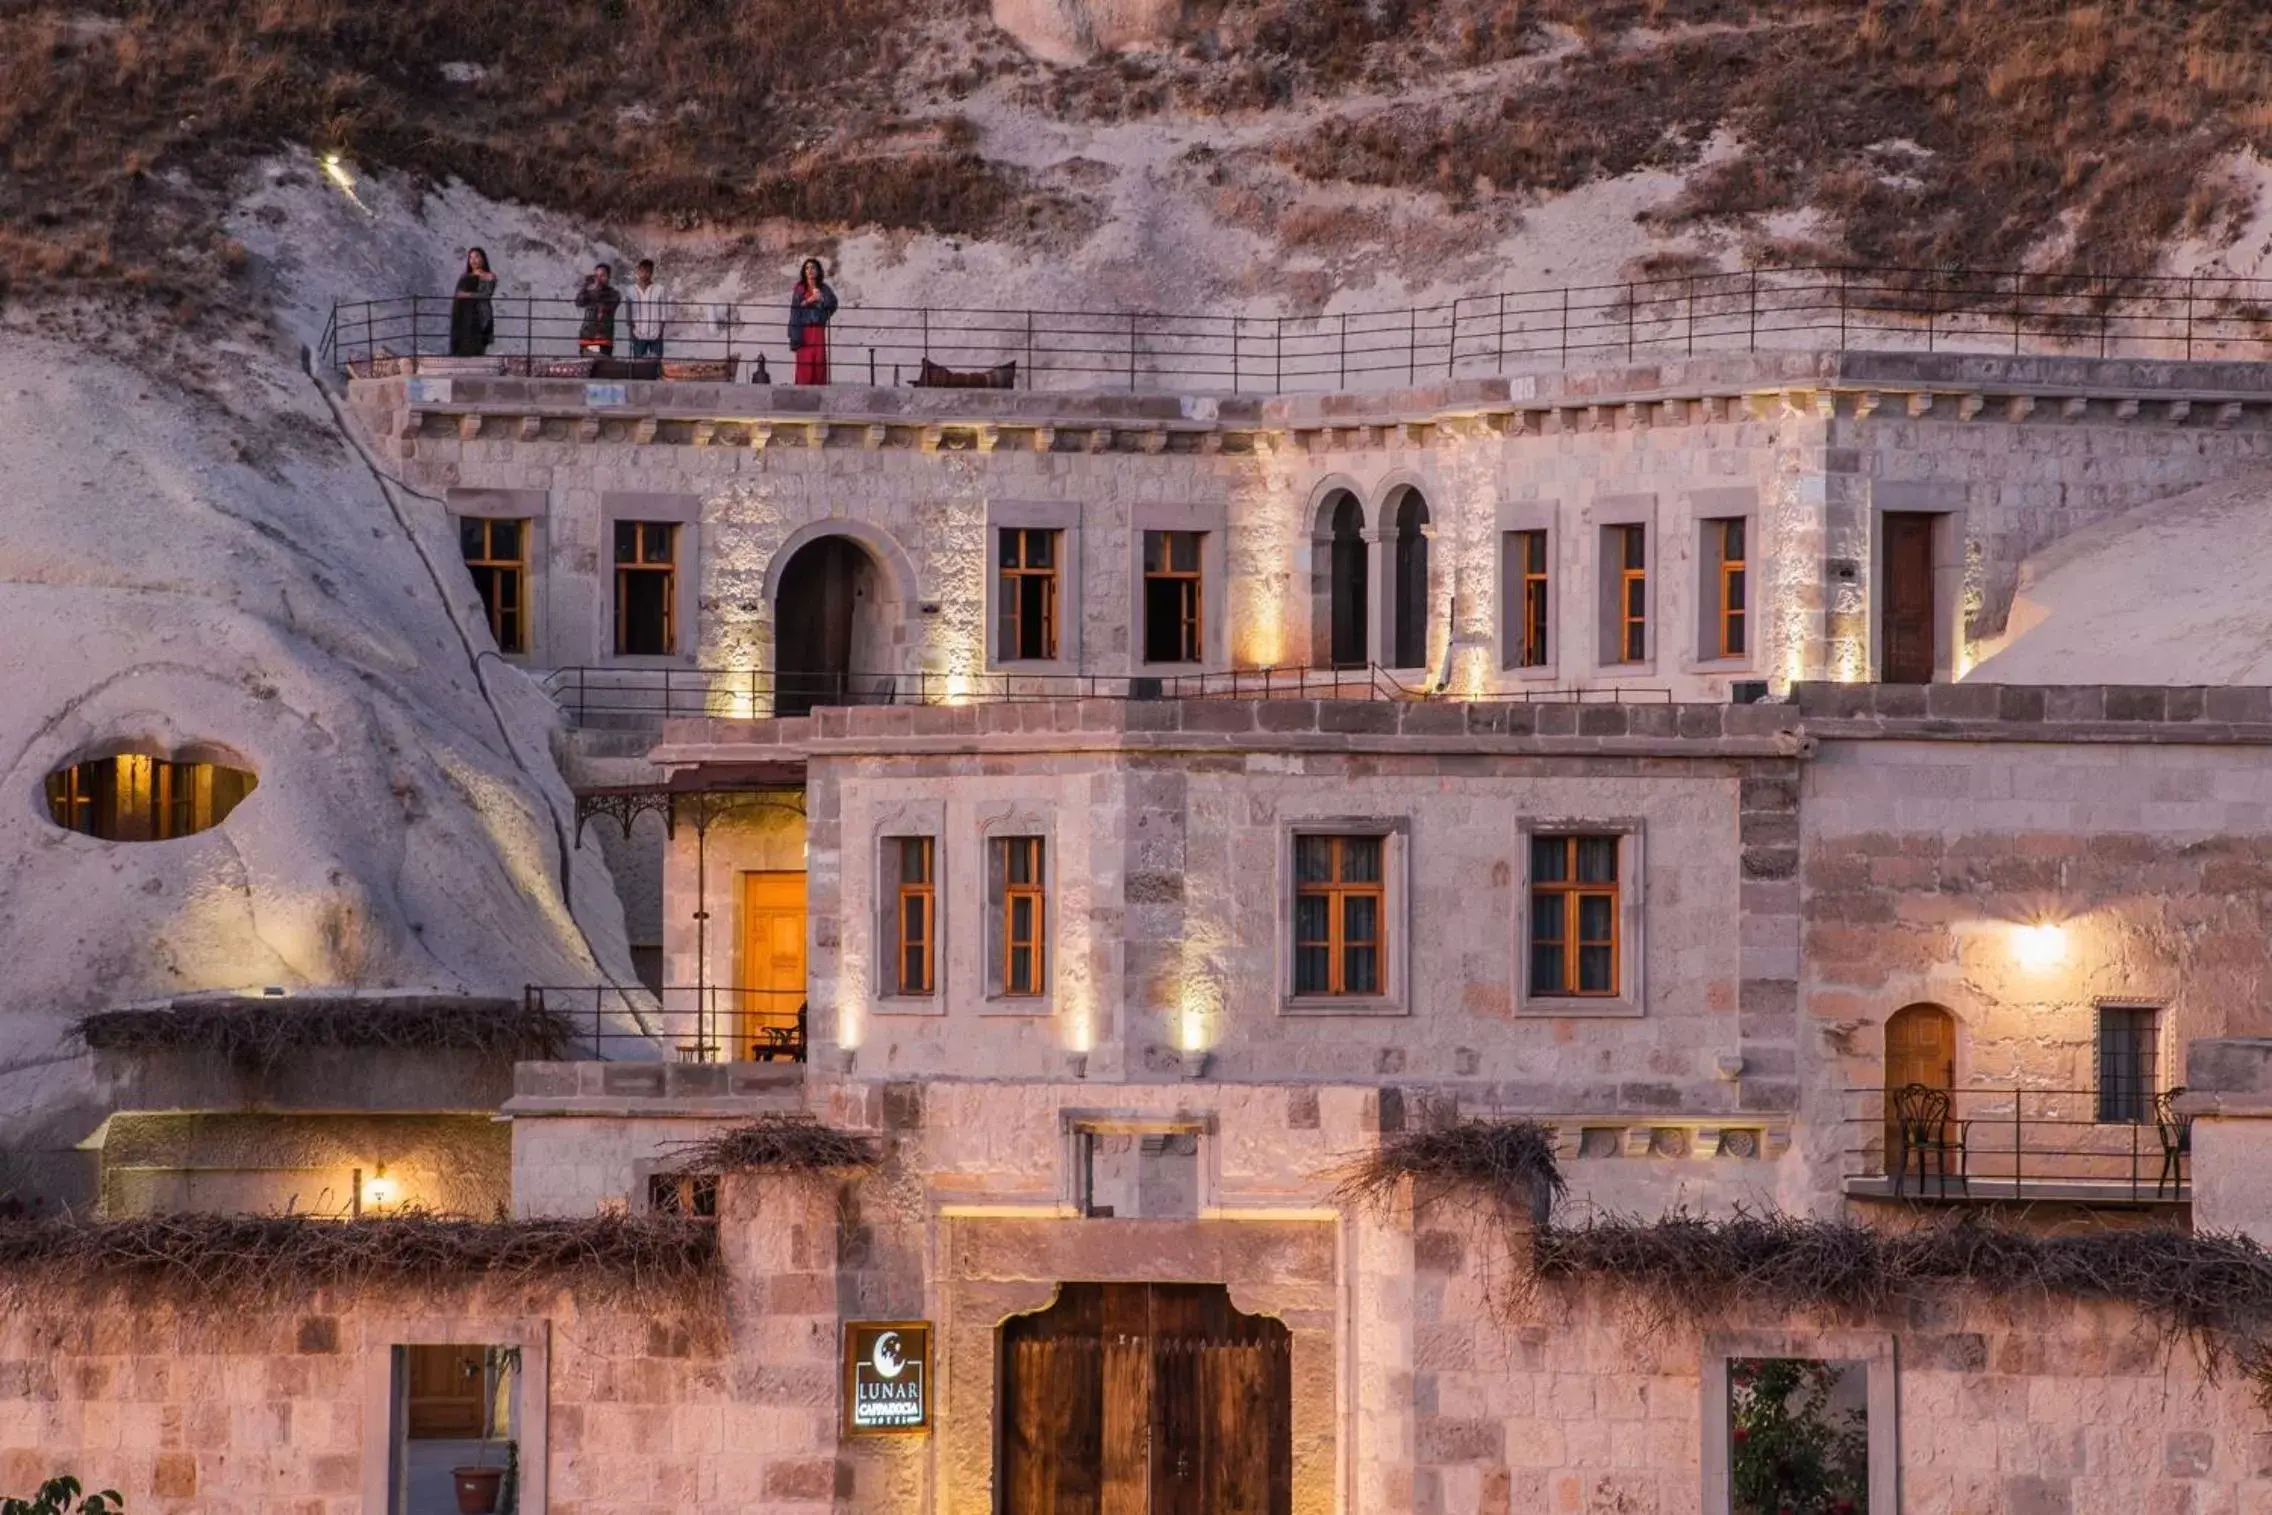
[772, 989]
[1920, 1048]
[444, 1392]
[1910, 622]
[1145, 1399]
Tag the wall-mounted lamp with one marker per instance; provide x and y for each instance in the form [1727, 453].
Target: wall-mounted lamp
[2040, 947]
[379, 1191]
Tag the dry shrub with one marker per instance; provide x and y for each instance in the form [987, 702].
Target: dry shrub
[200, 1260]
[260, 1034]
[2213, 1291]
[1507, 1166]
[784, 1144]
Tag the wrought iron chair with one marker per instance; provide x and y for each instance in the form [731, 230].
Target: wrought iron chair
[2177, 1140]
[1926, 1134]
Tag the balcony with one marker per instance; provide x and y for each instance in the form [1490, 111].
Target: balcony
[708, 1023]
[2011, 1143]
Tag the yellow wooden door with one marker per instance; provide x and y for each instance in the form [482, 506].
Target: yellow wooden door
[444, 1392]
[1920, 1048]
[773, 965]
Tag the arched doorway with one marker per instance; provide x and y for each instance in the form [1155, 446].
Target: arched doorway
[1920, 1048]
[1146, 1399]
[829, 633]
[1343, 594]
[1410, 632]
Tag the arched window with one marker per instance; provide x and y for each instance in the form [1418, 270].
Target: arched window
[136, 798]
[1410, 640]
[1348, 584]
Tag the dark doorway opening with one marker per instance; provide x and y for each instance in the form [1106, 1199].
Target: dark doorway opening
[826, 638]
[1346, 589]
[1411, 637]
[1145, 1399]
[1911, 620]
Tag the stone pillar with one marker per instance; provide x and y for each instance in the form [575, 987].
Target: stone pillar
[781, 1444]
[2228, 1093]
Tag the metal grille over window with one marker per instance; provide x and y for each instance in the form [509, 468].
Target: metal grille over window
[1172, 624]
[1028, 609]
[497, 557]
[2128, 1044]
[646, 588]
[1573, 915]
[1338, 915]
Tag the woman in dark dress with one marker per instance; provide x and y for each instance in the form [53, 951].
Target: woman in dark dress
[472, 317]
[811, 304]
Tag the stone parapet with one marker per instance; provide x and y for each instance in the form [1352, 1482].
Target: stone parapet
[659, 1090]
[2124, 713]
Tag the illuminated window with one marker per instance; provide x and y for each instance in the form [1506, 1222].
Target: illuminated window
[1527, 584]
[495, 555]
[1727, 587]
[1027, 612]
[1021, 896]
[646, 588]
[1172, 597]
[1574, 915]
[131, 798]
[913, 860]
[1340, 915]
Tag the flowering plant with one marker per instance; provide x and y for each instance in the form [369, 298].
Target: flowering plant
[1791, 1453]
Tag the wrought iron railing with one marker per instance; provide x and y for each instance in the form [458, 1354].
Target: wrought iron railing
[2020, 1142]
[598, 694]
[1474, 336]
[703, 1023]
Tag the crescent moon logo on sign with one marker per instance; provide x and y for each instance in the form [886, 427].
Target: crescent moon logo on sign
[886, 1359]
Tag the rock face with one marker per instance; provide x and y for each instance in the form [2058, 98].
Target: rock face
[176, 576]
[1074, 31]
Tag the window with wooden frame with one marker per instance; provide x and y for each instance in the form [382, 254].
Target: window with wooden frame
[915, 919]
[1574, 915]
[1340, 915]
[646, 588]
[131, 798]
[496, 555]
[1172, 597]
[1527, 586]
[1628, 581]
[1020, 869]
[1725, 548]
[1027, 613]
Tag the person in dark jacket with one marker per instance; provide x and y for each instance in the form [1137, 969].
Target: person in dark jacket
[811, 304]
[598, 300]
[473, 322]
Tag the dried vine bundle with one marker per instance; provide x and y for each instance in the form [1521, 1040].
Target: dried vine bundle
[1507, 1164]
[260, 1034]
[2214, 1290]
[780, 1144]
[266, 1259]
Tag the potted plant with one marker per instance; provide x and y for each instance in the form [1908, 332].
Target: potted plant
[481, 1487]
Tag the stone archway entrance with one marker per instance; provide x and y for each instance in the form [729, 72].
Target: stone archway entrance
[1145, 1399]
[831, 638]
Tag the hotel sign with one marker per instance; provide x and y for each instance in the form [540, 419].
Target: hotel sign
[887, 1376]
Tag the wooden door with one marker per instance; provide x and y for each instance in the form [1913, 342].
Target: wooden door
[1920, 1048]
[1145, 1399]
[444, 1390]
[1910, 622]
[772, 988]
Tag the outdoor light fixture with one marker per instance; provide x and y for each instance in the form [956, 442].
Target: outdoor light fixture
[2039, 947]
[337, 173]
[379, 1191]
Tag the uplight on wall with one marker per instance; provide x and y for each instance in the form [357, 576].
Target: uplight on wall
[2039, 947]
[379, 1191]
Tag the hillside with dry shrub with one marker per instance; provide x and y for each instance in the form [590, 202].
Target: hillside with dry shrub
[1909, 132]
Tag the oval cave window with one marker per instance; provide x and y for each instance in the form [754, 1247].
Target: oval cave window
[133, 798]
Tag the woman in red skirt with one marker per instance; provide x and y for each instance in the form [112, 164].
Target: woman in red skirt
[811, 304]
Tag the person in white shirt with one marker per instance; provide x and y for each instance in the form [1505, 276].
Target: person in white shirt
[647, 305]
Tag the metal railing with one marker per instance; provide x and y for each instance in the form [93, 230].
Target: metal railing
[2017, 1142]
[1474, 336]
[591, 694]
[706, 1023]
